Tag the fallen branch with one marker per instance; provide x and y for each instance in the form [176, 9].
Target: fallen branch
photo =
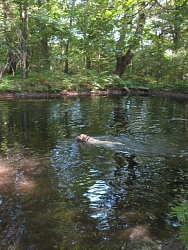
[177, 119]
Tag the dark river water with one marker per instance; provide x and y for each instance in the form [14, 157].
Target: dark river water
[57, 193]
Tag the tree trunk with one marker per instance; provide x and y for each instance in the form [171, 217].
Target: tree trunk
[67, 46]
[24, 41]
[66, 57]
[45, 51]
[122, 61]
[12, 58]
[88, 59]
[12, 63]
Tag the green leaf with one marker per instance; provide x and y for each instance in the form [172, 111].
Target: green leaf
[181, 212]
[130, 2]
[184, 235]
[107, 13]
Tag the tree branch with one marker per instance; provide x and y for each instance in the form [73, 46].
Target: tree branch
[177, 119]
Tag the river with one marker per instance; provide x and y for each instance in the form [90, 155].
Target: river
[58, 193]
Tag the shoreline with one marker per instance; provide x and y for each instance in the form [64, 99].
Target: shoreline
[43, 95]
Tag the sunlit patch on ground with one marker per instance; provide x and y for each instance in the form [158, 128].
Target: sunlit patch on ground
[4, 180]
[6, 174]
[24, 184]
[14, 178]
[24, 164]
[138, 232]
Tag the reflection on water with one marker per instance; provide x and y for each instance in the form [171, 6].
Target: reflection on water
[56, 193]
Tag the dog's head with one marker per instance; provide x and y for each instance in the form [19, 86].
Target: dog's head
[82, 137]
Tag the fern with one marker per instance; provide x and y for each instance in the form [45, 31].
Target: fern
[184, 235]
[182, 214]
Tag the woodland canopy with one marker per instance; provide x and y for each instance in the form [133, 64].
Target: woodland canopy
[96, 44]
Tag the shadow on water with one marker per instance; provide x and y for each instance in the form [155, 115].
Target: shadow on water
[56, 193]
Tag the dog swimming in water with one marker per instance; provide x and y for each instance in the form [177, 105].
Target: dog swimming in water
[88, 139]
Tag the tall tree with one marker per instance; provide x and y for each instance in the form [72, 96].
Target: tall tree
[24, 39]
[70, 7]
[123, 60]
[8, 39]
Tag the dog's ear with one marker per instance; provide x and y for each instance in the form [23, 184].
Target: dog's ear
[78, 138]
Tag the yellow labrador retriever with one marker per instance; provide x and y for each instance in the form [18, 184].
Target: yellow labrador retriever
[86, 138]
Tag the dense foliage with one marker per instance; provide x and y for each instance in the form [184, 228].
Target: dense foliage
[64, 44]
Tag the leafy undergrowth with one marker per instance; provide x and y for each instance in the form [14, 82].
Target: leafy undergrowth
[86, 80]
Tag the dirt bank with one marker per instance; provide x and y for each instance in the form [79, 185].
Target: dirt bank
[62, 94]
